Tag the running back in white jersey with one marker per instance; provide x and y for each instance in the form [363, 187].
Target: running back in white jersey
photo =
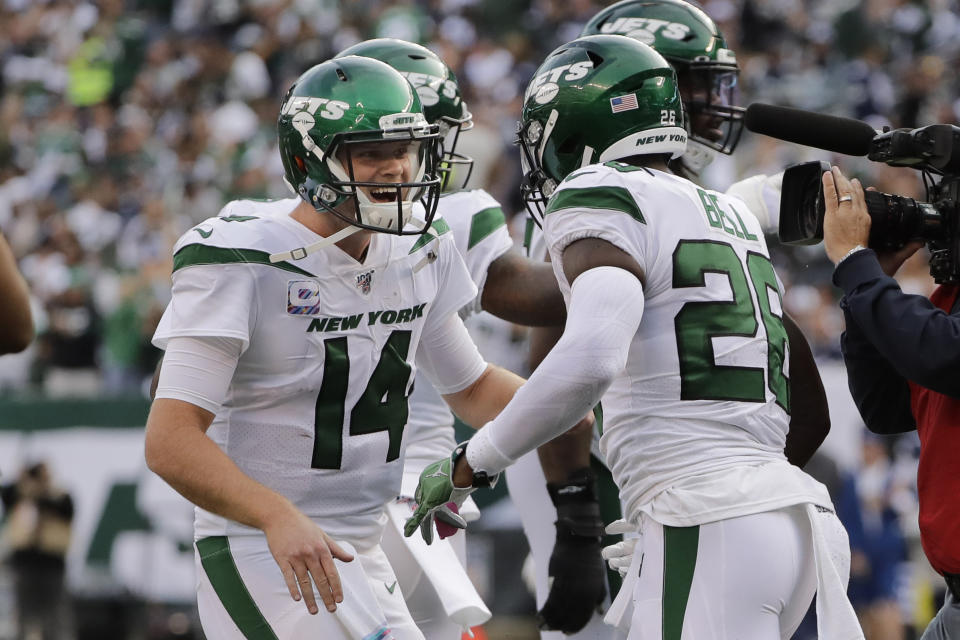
[705, 387]
[318, 402]
[481, 236]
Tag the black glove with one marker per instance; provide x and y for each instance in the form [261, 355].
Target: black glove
[579, 577]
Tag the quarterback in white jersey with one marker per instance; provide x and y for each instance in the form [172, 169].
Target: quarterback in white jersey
[291, 343]
[673, 312]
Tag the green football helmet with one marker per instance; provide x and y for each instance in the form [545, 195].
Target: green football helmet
[333, 107]
[707, 70]
[593, 100]
[439, 93]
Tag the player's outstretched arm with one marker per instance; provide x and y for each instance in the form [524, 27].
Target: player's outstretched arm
[523, 291]
[16, 322]
[576, 568]
[179, 451]
[810, 415]
[606, 304]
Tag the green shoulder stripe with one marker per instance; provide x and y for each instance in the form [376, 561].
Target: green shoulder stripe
[194, 254]
[609, 198]
[483, 223]
[439, 227]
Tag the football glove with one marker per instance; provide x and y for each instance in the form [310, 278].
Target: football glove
[620, 555]
[578, 577]
[439, 501]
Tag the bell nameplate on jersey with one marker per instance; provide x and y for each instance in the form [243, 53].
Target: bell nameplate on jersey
[303, 297]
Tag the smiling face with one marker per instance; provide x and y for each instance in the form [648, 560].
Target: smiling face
[389, 163]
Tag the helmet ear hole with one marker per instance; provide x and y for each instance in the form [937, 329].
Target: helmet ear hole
[569, 145]
[300, 163]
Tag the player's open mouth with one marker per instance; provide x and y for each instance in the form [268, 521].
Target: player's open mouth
[383, 194]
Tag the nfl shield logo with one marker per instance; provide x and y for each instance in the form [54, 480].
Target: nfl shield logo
[363, 282]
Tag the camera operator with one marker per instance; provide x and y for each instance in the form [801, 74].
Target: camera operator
[902, 354]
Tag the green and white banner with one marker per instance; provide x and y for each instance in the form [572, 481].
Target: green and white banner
[132, 534]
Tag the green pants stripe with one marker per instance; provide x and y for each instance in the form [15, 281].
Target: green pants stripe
[222, 571]
[679, 561]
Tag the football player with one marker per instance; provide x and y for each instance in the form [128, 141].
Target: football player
[291, 341]
[439, 594]
[707, 74]
[674, 316]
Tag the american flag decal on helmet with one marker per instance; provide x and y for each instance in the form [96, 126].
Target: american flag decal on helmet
[624, 103]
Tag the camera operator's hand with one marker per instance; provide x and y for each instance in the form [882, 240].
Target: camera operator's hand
[891, 261]
[846, 223]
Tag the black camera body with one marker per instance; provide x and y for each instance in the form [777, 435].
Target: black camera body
[895, 220]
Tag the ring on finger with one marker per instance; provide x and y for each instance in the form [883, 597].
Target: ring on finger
[845, 199]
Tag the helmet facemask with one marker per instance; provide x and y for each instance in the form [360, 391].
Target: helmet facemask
[454, 164]
[375, 205]
[535, 187]
[709, 91]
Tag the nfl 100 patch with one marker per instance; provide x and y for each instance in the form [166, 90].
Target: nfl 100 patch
[303, 297]
[364, 281]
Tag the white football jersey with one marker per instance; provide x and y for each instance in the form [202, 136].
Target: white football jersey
[318, 403]
[705, 388]
[481, 236]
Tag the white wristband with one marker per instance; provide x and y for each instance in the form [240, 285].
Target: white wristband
[857, 248]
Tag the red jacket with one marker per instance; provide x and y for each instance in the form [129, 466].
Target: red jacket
[903, 363]
[938, 477]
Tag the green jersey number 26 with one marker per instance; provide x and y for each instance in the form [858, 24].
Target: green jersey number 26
[698, 323]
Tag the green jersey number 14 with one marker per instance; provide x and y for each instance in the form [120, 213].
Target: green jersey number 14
[382, 407]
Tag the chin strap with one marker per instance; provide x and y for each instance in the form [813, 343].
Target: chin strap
[303, 252]
[431, 255]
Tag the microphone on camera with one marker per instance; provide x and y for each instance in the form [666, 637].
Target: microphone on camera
[830, 133]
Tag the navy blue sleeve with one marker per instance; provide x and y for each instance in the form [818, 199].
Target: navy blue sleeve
[881, 394]
[918, 341]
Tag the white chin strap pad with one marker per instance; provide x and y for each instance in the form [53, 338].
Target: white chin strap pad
[697, 156]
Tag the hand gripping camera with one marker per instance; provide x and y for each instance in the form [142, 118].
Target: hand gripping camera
[895, 220]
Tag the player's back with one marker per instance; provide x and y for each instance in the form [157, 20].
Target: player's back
[705, 385]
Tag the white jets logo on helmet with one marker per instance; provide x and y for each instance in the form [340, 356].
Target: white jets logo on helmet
[332, 109]
[545, 86]
[645, 29]
[430, 88]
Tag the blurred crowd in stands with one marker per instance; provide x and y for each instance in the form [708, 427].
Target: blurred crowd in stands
[125, 122]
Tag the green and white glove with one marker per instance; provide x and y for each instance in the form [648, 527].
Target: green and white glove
[438, 501]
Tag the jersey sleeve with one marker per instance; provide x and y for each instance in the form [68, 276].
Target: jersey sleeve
[455, 286]
[595, 203]
[481, 234]
[215, 300]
